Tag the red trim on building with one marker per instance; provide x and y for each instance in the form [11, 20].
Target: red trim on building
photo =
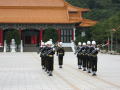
[1, 37]
[59, 35]
[41, 35]
[72, 34]
[20, 32]
[34, 40]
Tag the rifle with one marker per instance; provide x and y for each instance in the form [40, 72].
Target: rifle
[78, 51]
[94, 52]
[40, 50]
[48, 52]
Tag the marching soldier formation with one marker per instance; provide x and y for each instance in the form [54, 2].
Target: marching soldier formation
[86, 56]
[47, 52]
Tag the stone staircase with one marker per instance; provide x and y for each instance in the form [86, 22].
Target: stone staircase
[68, 49]
[30, 48]
[34, 48]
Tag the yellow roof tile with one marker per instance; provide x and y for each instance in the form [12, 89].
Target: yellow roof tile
[44, 3]
[40, 11]
[87, 23]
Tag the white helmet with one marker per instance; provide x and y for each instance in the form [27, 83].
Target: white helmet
[45, 43]
[93, 43]
[60, 43]
[79, 43]
[49, 42]
[84, 43]
[42, 43]
[88, 42]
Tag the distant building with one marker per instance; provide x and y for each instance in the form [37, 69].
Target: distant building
[32, 17]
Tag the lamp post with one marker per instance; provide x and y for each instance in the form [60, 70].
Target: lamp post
[114, 30]
[74, 31]
[117, 37]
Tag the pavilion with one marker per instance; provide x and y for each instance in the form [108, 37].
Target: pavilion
[32, 17]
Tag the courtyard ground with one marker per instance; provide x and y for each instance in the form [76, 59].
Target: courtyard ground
[22, 71]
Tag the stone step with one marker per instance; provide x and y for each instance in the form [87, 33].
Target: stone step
[68, 49]
[35, 49]
[30, 49]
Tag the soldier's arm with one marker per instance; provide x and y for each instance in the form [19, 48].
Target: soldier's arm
[63, 51]
[57, 51]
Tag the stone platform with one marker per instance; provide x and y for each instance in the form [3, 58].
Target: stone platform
[22, 71]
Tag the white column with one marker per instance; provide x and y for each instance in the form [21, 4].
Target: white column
[5, 45]
[21, 46]
[74, 29]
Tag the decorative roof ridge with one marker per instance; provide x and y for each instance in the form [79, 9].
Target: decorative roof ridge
[52, 3]
[28, 7]
[77, 8]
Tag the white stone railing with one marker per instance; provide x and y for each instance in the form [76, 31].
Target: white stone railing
[66, 44]
[72, 45]
[5, 46]
[21, 46]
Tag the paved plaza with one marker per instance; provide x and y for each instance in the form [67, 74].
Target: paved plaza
[22, 71]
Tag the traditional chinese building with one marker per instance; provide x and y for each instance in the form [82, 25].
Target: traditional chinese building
[32, 17]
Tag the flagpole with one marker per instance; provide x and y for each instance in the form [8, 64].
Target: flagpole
[108, 44]
[111, 41]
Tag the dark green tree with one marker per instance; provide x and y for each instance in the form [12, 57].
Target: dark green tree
[103, 29]
[12, 34]
[50, 33]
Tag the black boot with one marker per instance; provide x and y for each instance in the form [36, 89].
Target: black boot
[94, 73]
[89, 70]
[60, 66]
[50, 73]
[84, 69]
[79, 67]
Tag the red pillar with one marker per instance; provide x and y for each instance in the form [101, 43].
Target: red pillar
[41, 35]
[20, 32]
[59, 35]
[1, 37]
[72, 35]
[34, 40]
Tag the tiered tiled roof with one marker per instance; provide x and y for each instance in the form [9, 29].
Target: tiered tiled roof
[40, 11]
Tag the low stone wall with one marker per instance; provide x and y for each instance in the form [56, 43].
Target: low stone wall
[109, 52]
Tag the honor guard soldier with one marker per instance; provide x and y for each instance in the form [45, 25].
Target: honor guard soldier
[88, 56]
[94, 58]
[42, 55]
[50, 58]
[60, 54]
[79, 55]
[40, 48]
[45, 57]
[84, 56]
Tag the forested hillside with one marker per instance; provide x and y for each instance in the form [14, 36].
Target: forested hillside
[100, 9]
[107, 13]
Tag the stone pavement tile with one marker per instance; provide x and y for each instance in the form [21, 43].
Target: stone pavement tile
[22, 71]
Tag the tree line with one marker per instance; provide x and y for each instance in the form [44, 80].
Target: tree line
[107, 13]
